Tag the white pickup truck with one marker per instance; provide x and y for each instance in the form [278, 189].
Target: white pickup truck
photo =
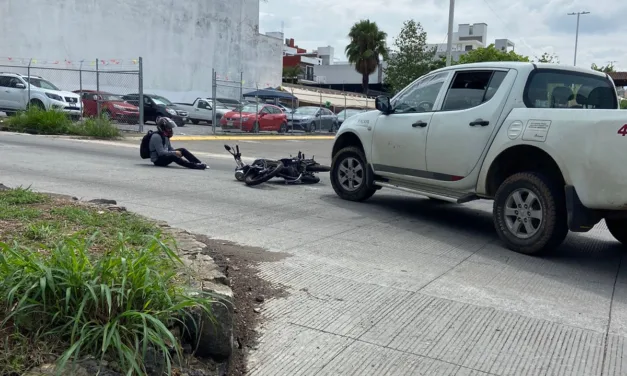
[546, 142]
[202, 110]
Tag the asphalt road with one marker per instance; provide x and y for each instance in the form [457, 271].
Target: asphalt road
[398, 285]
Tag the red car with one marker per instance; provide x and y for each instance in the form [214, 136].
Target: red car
[111, 105]
[255, 118]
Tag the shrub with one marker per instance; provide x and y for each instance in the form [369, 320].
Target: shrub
[37, 121]
[99, 127]
[119, 305]
[53, 122]
[623, 104]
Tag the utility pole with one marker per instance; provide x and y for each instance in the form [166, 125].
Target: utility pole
[449, 43]
[578, 14]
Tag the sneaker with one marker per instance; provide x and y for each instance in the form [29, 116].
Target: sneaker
[201, 166]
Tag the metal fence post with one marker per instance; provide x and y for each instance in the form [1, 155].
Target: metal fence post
[241, 86]
[97, 89]
[257, 109]
[28, 74]
[320, 120]
[214, 89]
[141, 94]
[241, 98]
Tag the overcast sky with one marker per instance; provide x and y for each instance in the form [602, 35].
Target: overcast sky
[535, 26]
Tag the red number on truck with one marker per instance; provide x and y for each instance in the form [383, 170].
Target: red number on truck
[623, 130]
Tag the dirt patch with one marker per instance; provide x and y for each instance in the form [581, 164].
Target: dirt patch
[240, 265]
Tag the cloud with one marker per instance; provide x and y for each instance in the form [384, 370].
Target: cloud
[535, 26]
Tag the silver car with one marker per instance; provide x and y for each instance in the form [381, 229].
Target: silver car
[311, 119]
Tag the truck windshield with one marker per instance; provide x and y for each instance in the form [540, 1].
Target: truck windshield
[40, 82]
[552, 88]
[161, 100]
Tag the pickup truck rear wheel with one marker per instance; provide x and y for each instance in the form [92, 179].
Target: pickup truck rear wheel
[530, 213]
[350, 176]
[618, 229]
[195, 122]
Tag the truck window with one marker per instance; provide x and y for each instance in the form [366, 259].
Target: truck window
[421, 95]
[5, 81]
[472, 88]
[552, 88]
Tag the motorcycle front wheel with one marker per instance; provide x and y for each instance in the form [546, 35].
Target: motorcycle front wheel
[256, 178]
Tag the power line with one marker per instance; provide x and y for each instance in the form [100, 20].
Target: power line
[508, 29]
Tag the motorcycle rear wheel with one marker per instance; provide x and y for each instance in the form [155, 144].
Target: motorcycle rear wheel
[256, 178]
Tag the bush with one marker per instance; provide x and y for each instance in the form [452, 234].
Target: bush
[38, 121]
[119, 305]
[623, 104]
[98, 128]
[53, 122]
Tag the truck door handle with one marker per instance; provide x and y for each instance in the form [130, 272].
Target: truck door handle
[420, 124]
[480, 122]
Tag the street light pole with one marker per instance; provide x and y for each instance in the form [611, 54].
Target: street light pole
[449, 43]
[578, 14]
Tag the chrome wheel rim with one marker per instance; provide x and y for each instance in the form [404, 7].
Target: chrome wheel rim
[523, 213]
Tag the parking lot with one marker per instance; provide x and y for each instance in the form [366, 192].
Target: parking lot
[398, 285]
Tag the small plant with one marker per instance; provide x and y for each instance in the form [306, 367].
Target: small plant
[118, 306]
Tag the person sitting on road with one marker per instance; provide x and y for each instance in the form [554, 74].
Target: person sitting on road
[163, 154]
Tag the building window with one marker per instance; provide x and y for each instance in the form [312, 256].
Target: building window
[470, 30]
[468, 48]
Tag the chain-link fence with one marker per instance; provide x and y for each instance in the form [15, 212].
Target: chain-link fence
[111, 88]
[307, 109]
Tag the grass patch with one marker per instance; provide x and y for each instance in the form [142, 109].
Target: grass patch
[80, 281]
[37, 121]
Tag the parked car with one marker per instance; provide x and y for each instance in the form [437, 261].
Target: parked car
[43, 94]
[202, 110]
[111, 106]
[346, 113]
[232, 103]
[542, 140]
[286, 109]
[157, 106]
[255, 118]
[311, 118]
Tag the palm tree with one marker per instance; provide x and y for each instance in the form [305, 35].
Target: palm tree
[367, 44]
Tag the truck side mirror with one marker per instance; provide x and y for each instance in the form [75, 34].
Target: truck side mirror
[382, 103]
[20, 85]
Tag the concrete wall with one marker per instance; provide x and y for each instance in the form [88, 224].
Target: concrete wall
[180, 41]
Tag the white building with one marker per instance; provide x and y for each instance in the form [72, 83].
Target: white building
[180, 41]
[469, 37]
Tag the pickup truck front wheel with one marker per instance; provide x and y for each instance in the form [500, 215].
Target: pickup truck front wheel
[530, 213]
[618, 229]
[350, 177]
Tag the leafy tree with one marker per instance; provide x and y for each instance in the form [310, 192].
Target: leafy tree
[623, 104]
[367, 45]
[548, 58]
[290, 74]
[605, 69]
[490, 53]
[411, 58]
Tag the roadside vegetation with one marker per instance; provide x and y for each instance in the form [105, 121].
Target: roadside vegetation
[81, 281]
[38, 121]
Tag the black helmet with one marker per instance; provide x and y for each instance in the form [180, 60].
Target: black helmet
[165, 125]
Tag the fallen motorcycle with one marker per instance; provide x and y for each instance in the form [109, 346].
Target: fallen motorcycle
[293, 170]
